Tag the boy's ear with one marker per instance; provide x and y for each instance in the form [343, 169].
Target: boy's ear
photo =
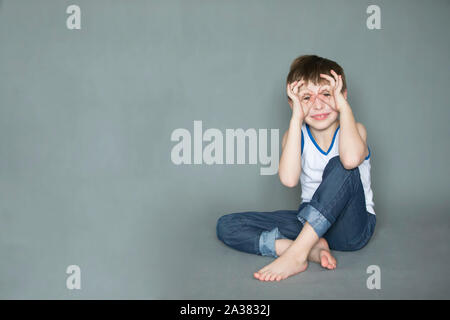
[345, 94]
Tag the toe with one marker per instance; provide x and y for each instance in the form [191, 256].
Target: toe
[261, 274]
[263, 270]
[324, 261]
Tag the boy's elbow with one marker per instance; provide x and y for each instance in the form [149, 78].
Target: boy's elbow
[350, 164]
[291, 185]
[288, 182]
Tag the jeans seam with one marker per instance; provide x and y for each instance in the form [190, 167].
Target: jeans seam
[334, 200]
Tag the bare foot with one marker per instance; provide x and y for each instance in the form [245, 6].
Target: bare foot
[282, 267]
[281, 245]
[320, 253]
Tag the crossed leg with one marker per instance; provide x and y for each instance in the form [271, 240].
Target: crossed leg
[293, 260]
[338, 203]
[320, 253]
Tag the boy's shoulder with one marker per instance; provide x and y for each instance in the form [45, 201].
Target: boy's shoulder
[362, 131]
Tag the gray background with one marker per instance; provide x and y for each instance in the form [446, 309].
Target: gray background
[85, 123]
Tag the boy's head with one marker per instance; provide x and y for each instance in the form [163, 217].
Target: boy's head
[309, 68]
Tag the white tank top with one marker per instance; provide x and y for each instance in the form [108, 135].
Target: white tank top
[314, 160]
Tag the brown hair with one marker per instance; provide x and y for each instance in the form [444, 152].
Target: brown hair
[309, 68]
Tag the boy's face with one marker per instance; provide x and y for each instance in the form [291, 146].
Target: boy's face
[316, 98]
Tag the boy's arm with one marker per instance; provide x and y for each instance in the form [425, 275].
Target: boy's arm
[352, 139]
[289, 168]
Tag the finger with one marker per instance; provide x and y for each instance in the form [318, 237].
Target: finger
[314, 98]
[330, 79]
[289, 90]
[328, 103]
[324, 100]
[335, 75]
[305, 110]
[294, 89]
[298, 86]
[331, 103]
[308, 109]
[340, 84]
[292, 84]
[300, 83]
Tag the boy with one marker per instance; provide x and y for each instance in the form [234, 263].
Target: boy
[327, 151]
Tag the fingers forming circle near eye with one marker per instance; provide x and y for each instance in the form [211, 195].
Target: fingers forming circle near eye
[292, 85]
[296, 87]
[340, 83]
[308, 109]
[330, 79]
[289, 90]
[324, 101]
[335, 76]
[300, 83]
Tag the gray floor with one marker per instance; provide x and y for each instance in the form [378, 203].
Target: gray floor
[176, 255]
[410, 249]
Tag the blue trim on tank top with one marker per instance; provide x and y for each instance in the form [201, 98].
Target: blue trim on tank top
[303, 142]
[368, 156]
[317, 146]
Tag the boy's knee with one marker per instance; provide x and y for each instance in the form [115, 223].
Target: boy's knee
[336, 164]
[224, 224]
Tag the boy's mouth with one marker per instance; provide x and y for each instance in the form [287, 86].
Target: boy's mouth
[321, 116]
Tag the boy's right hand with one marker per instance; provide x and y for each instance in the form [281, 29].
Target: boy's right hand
[298, 111]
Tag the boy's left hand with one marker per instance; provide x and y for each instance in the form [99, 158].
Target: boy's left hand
[337, 100]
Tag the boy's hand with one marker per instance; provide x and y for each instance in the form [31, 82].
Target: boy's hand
[299, 111]
[337, 99]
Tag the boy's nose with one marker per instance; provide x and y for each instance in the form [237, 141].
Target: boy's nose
[314, 98]
[317, 103]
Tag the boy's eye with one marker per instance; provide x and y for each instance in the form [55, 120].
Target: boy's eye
[305, 98]
[326, 94]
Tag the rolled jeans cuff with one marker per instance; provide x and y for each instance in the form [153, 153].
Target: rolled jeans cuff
[316, 219]
[267, 242]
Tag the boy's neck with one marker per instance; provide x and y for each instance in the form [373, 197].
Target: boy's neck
[324, 136]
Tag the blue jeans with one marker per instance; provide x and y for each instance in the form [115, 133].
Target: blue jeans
[337, 212]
